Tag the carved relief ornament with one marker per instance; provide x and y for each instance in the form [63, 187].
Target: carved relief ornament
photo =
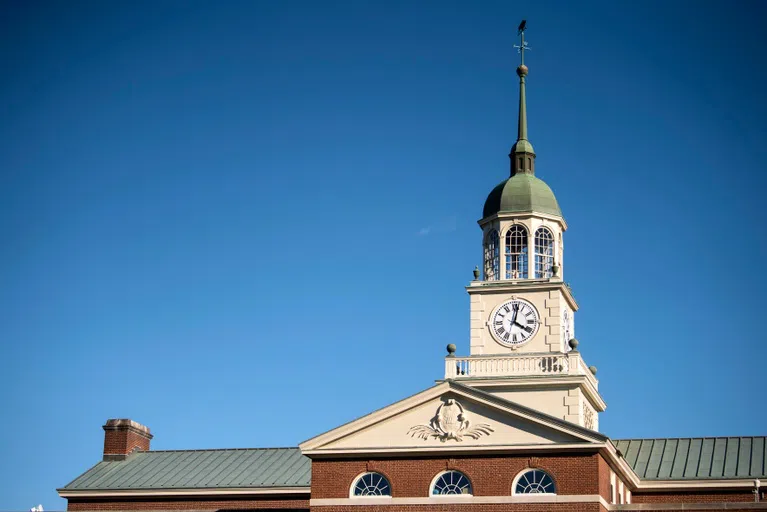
[450, 422]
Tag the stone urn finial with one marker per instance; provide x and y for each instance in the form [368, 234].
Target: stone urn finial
[476, 272]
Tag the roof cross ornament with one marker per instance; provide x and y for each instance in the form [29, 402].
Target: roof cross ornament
[522, 46]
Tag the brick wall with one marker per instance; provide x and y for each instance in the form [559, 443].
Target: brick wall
[124, 442]
[489, 475]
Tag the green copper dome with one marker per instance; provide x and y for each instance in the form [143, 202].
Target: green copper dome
[521, 193]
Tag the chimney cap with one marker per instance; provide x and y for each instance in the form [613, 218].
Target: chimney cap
[127, 424]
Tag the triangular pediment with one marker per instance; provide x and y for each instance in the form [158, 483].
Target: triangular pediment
[450, 416]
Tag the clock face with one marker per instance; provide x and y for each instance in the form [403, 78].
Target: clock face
[514, 322]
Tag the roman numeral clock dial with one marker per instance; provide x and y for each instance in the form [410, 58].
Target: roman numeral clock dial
[514, 322]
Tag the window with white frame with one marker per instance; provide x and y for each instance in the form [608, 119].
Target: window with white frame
[544, 253]
[516, 252]
[492, 256]
[451, 483]
[534, 481]
[371, 484]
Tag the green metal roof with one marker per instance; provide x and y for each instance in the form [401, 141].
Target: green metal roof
[696, 458]
[194, 469]
[521, 193]
[651, 459]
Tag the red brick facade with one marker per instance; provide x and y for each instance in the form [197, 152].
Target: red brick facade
[489, 475]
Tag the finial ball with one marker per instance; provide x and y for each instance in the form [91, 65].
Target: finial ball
[593, 370]
[573, 344]
[451, 349]
[522, 70]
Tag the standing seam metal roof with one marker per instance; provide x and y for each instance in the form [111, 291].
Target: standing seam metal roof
[696, 458]
[651, 459]
[190, 469]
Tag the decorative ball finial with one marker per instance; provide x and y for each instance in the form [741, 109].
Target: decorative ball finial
[476, 272]
[522, 70]
[573, 344]
[593, 370]
[451, 350]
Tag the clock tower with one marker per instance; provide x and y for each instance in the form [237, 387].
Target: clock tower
[522, 329]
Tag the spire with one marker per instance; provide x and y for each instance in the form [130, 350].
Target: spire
[522, 154]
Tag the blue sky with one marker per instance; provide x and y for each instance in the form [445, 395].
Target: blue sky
[245, 223]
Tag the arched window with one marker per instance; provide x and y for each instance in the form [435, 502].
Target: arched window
[516, 252]
[534, 481]
[492, 256]
[371, 484]
[544, 252]
[451, 482]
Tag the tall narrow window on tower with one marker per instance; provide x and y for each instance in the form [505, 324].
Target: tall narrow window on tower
[544, 253]
[516, 252]
[492, 256]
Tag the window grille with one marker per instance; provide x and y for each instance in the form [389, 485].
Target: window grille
[535, 481]
[516, 253]
[544, 253]
[451, 482]
[372, 484]
[492, 256]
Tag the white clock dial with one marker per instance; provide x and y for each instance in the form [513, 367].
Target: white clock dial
[514, 322]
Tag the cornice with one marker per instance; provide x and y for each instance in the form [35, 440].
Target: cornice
[417, 450]
[229, 491]
[501, 216]
[522, 286]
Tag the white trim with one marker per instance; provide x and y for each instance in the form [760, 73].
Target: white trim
[64, 493]
[682, 485]
[505, 449]
[532, 498]
[523, 216]
[458, 499]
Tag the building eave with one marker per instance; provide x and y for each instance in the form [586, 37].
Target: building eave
[192, 492]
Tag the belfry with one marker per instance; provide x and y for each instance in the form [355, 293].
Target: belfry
[521, 311]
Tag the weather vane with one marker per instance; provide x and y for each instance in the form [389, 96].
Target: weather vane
[522, 46]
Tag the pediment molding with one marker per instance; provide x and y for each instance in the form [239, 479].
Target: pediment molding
[452, 417]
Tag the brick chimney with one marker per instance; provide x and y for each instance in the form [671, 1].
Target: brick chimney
[123, 436]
